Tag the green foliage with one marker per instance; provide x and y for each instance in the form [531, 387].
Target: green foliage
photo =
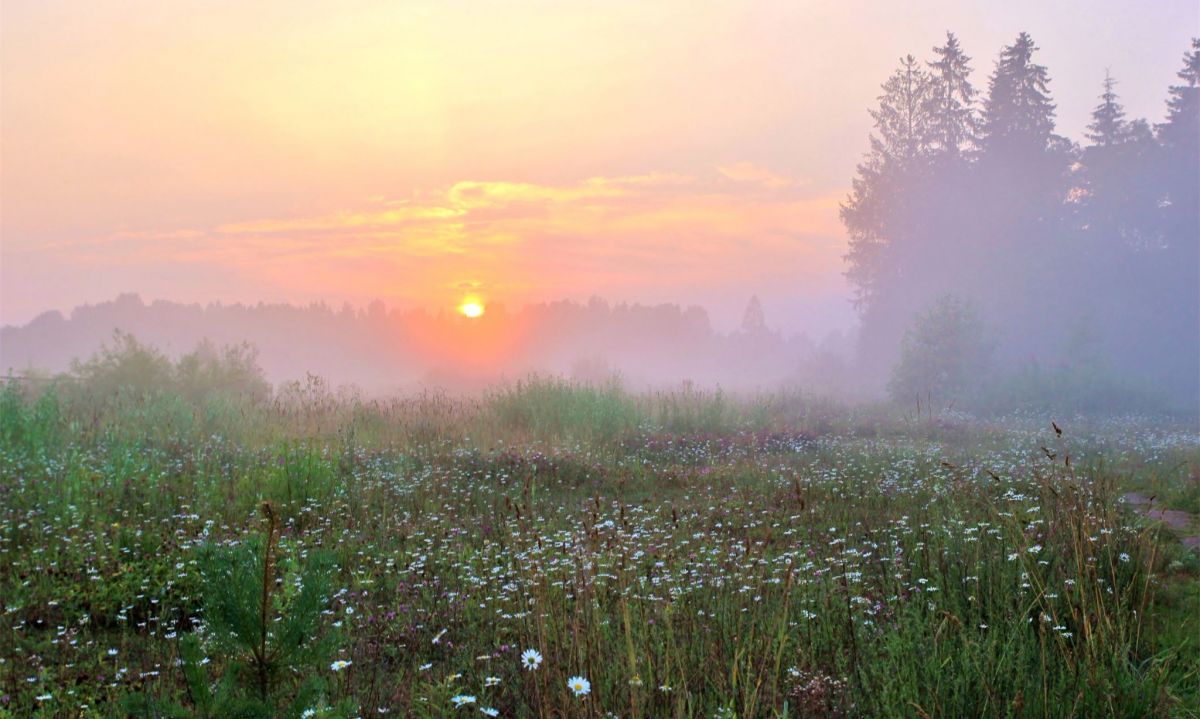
[944, 354]
[554, 407]
[266, 629]
[229, 372]
[127, 369]
[34, 424]
[697, 565]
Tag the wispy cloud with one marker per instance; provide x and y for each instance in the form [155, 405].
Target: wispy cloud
[519, 240]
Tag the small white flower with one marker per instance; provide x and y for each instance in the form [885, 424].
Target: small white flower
[579, 685]
[462, 700]
[340, 664]
[1124, 556]
[491, 681]
[488, 711]
[531, 659]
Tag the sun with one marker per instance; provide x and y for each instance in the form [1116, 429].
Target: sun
[471, 307]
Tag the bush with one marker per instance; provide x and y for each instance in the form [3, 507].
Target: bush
[944, 355]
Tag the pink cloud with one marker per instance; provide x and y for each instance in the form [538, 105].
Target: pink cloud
[517, 241]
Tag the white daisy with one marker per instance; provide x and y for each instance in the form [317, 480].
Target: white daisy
[579, 685]
[531, 658]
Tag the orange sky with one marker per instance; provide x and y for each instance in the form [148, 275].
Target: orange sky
[681, 150]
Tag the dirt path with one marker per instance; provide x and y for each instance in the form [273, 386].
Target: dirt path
[1181, 522]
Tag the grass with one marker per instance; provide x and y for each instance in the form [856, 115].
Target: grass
[688, 553]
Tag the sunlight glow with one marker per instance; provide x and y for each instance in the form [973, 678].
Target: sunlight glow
[471, 307]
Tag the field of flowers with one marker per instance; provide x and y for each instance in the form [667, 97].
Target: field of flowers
[550, 550]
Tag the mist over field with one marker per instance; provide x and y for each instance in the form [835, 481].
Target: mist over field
[989, 262]
[543, 359]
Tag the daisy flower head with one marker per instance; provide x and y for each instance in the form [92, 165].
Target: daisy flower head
[531, 659]
[462, 700]
[340, 664]
[579, 685]
[489, 712]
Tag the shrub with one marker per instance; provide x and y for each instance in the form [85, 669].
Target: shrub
[943, 356]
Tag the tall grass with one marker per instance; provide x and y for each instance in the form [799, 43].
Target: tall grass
[688, 553]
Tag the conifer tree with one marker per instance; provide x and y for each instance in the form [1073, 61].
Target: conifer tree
[754, 321]
[1182, 127]
[875, 213]
[1018, 113]
[953, 123]
[1108, 126]
[902, 120]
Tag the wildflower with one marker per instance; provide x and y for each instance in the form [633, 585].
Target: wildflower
[308, 713]
[531, 659]
[462, 700]
[340, 664]
[488, 711]
[491, 681]
[1124, 556]
[425, 667]
[44, 697]
[579, 685]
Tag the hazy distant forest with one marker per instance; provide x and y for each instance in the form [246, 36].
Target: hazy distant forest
[995, 263]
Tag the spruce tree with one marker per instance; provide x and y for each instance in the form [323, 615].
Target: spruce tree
[754, 321]
[902, 120]
[1018, 113]
[1108, 126]
[1182, 127]
[953, 123]
[874, 214]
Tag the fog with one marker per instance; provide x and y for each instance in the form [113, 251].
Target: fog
[992, 264]
[383, 351]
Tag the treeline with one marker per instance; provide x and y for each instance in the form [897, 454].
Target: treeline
[387, 350]
[992, 255]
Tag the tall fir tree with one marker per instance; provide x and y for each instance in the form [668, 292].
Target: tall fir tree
[1179, 160]
[884, 215]
[754, 321]
[902, 120]
[1182, 127]
[953, 121]
[875, 213]
[1108, 126]
[1018, 113]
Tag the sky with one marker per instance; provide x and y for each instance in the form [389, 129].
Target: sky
[417, 152]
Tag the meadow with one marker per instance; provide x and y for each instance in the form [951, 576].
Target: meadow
[549, 549]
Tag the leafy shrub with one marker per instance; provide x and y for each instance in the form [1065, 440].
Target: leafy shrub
[943, 356]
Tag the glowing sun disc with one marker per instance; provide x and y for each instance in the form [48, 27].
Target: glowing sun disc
[471, 308]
